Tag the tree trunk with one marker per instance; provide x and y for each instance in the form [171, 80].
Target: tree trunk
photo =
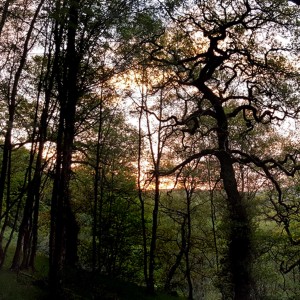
[213, 213]
[11, 108]
[64, 228]
[4, 14]
[188, 244]
[156, 158]
[237, 262]
[140, 195]
[150, 285]
[239, 245]
[97, 214]
[179, 256]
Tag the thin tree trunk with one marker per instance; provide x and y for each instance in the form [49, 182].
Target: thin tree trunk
[100, 218]
[37, 177]
[140, 193]
[96, 190]
[4, 14]
[156, 158]
[213, 213]
[188, 244]
[179, 256]
[12, 231]
[12, 106]
[152, 250]
[24, 236]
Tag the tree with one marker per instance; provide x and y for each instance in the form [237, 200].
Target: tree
[154, 135]
[26, 248]
[190, 181]
[226, 63]
[12, 94]
[110, 158]
[77, 37]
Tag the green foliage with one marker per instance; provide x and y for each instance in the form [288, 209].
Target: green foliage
[143, 25]
[173, 4]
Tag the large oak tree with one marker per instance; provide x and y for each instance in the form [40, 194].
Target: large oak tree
[235, 58]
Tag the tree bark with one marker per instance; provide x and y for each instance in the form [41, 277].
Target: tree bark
[188, 244]
[64, 228]
[237, 264]
[179, 256]
[140, 195]
[156, 158]
[239, 242]
[4, 14]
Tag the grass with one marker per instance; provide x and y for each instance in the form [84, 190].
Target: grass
[19, 287]
[23, 285]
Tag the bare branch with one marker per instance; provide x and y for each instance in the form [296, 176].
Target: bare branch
[201, 154]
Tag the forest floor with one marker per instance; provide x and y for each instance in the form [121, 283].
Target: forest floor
[24, 286]
[79, 285]
[19, 287]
